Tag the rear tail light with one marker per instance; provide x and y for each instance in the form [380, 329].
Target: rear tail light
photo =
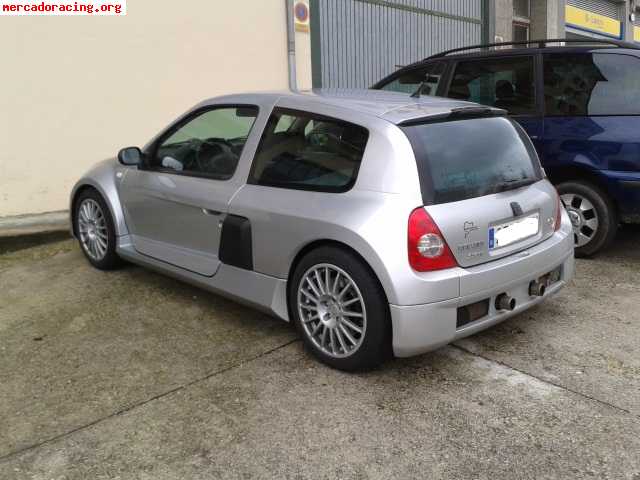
[559, 207]
[428, 250]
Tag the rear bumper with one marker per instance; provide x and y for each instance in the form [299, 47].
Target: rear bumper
[421, 328]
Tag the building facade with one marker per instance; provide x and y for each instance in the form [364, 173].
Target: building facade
[356, 42]
[514, 20]
[77, 89]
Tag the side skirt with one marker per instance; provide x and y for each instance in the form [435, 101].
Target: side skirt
[263, 292]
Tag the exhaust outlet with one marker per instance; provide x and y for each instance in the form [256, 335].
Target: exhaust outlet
[505, 302]
[537, 289]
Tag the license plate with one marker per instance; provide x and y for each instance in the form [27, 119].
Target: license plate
[514, 231]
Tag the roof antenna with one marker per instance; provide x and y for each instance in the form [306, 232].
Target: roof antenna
[418, 92]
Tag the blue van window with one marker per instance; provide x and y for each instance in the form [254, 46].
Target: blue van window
[506, 82]
[582, 84]
[430, 77]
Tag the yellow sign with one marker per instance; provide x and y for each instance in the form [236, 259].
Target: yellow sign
[594, 22]
[636, 34]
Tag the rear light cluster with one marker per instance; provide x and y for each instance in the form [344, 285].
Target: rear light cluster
[559, 207]
[428, 250]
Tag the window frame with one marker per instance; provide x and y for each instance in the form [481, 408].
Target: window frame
[590, 52]
[151, 152]
[520, 17]
[537, 78]
[522, 24]
[300, 187]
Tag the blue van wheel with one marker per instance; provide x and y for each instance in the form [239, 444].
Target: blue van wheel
[593, 216]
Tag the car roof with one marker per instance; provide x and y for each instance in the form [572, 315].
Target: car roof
[394, 107]
[521, 50]
[480, 54]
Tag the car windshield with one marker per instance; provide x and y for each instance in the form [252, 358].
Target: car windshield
[472, 157]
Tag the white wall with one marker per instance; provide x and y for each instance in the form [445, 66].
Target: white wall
[76, 89]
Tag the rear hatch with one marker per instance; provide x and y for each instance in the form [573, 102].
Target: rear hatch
[482, 184]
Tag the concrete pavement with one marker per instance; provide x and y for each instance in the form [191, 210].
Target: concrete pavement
[129, 374]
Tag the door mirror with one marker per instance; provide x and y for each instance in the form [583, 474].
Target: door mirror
[130, 156]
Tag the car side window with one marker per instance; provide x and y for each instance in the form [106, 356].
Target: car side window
[210, 144]
[285, 123]
[507, 83]
[312, 153]
[429, 76]
[591, 84]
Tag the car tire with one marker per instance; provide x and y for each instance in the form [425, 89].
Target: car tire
[585, 202]
[354, 300]
[92, 216]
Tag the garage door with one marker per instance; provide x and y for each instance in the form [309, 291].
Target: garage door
[357, 42]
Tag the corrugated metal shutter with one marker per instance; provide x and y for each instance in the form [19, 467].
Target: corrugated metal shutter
[603, 7]
[357, 42]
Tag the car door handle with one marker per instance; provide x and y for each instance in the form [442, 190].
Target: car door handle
[534, 137]
[213, 213]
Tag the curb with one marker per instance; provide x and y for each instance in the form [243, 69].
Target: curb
[25, 231]
[25, 225]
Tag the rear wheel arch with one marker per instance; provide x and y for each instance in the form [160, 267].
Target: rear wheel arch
[377, 345]
[601, 208]
[316, 244]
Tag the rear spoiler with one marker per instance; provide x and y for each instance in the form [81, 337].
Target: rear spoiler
[456, 114]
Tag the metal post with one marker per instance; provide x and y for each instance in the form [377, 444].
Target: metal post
[488, 21]
[316, 44]
[291, 46]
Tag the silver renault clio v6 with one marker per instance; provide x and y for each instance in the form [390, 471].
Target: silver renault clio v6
[375, 222]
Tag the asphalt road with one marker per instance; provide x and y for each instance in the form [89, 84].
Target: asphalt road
[131, 375]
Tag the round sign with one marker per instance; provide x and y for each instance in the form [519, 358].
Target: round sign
[301, 12]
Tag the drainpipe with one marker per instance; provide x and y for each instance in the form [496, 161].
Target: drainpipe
[291, 46]
[630, 36]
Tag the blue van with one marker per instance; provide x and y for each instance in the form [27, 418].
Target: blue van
[579, 101]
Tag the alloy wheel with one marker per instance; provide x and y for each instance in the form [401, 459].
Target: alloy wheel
[584, 217]
[332, 310]
[92, 228]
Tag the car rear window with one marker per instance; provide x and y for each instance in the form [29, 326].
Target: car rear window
[472, 157]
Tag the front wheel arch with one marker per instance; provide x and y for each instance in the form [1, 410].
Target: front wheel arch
[109, 259]
[74, 203]
[113, 204]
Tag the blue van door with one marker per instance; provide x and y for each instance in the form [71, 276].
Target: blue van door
[592, 137]
[534, 126]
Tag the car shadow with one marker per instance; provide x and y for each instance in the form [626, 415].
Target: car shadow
[626, 246]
